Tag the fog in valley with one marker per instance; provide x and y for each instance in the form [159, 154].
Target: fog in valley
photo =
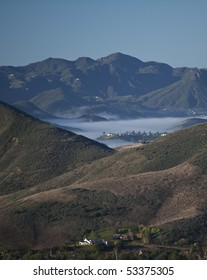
[93, 130]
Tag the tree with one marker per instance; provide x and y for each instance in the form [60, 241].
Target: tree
[145, 234]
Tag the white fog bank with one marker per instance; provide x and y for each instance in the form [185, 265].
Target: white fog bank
[93, 130]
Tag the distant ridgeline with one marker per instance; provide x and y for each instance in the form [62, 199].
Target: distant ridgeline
[117, 84]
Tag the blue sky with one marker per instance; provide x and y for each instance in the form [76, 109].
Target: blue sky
[170, 31]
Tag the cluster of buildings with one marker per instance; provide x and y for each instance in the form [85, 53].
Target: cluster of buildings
[133, 136]
[116, 236]
[95, 241]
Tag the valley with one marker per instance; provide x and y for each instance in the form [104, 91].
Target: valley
[117, 132]
[126, 243]
[59, 185]
[61, 197]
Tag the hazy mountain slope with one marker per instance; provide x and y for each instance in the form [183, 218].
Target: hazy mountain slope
[32, 152]
[118, 84]
[188, 93]
[31, 109]
[188, 122]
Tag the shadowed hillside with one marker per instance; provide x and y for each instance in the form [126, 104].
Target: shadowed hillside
[32, 152]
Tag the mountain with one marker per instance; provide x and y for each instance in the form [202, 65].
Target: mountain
[189, 93]
[92, 118]
[28, 107]
[57, 186]
[117, 84]
[32, 152]
[187, 123]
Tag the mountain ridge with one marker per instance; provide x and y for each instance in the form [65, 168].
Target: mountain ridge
[117, 84]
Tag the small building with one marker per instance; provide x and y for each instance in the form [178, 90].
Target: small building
[117, 236]
[96, 241]
[126, 237]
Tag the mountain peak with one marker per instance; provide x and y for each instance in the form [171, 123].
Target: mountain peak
[83, 62]
[193, 74]
[120, 58]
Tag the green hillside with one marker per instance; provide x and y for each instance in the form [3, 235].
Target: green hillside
[169, 151]
[176, 148]
[32, 152]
